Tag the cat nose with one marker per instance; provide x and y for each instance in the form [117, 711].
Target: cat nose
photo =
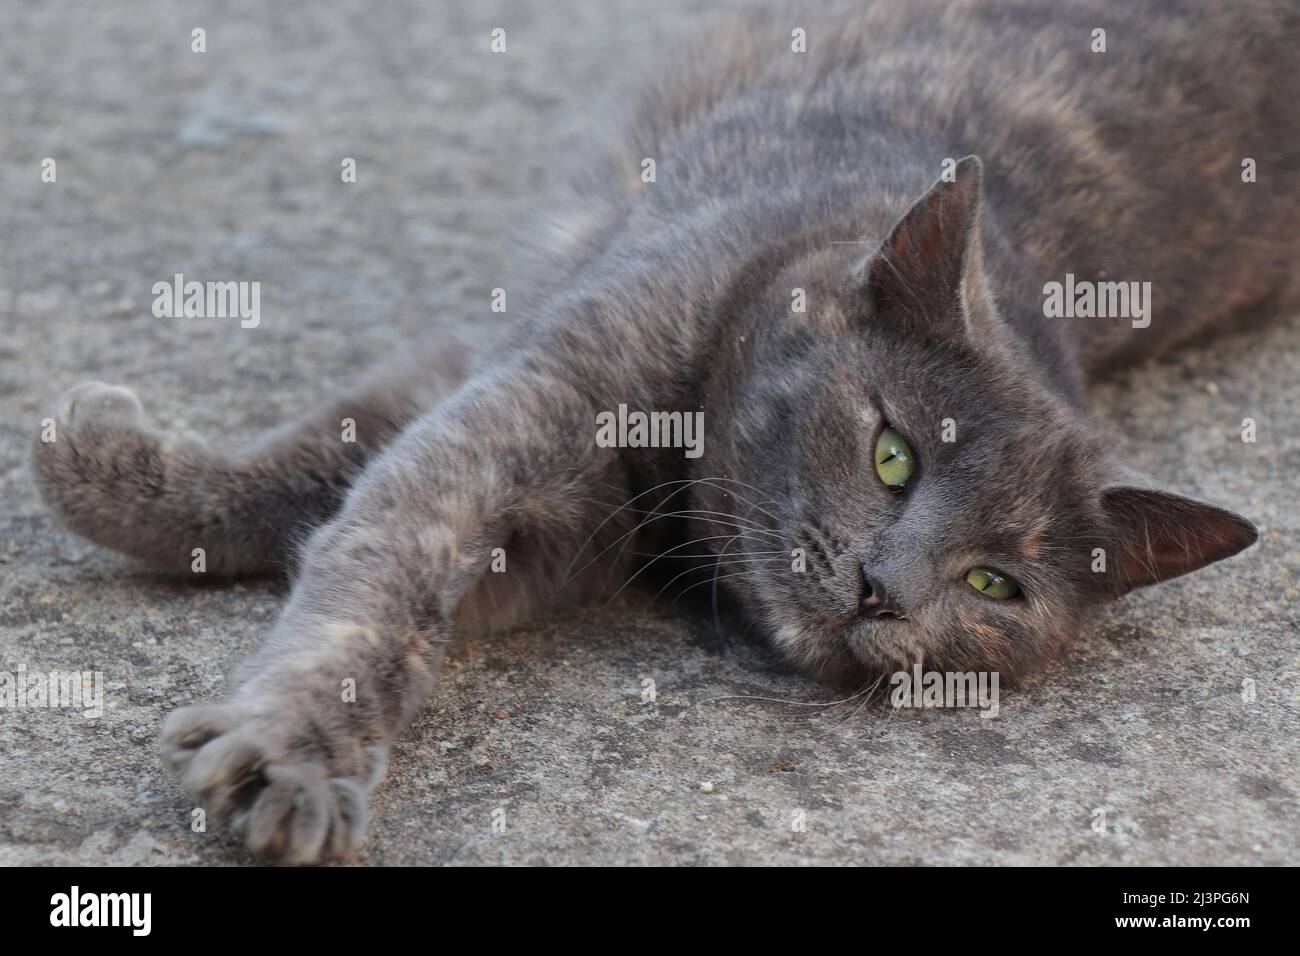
[876, 602]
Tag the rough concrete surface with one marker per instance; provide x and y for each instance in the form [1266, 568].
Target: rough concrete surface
[226, 165]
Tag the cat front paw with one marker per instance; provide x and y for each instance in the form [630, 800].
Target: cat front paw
[245, 769]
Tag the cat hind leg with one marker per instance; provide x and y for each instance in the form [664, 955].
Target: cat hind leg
[174, 502]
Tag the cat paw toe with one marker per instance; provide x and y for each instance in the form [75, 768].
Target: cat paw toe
[188, 729]
[303, 816]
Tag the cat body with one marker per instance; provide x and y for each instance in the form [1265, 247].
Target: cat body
[779, 276]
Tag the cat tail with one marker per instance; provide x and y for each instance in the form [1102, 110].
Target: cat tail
[170, 500]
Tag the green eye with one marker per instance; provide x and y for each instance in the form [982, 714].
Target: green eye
[893, 459]
[992, 584]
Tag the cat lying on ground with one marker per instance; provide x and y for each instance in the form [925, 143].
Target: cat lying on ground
[894, 465]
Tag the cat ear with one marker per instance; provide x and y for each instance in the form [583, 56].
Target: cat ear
[929, 266]
[1159, 535]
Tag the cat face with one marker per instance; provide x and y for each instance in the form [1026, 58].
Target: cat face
[934, 502]
[877, 576]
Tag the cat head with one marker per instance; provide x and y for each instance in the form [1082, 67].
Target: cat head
[925, 497]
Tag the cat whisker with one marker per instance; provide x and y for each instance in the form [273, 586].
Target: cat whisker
[686, 483]
[752, 504]
[866, 699]
[691, 514]
[626, 536]
[730, 561]
[715, 579]
[677, 513]
[794, 703]
[713, 595]
[715, 518]
[578, 554]
[705, 554]
[665, 554]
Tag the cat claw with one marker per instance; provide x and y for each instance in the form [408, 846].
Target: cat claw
[288, 810]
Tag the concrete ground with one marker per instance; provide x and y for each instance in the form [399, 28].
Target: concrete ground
[226, 165]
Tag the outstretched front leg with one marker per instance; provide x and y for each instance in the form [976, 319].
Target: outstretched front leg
[508, 463]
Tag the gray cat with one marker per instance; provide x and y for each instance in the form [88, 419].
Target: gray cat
[895, 465]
